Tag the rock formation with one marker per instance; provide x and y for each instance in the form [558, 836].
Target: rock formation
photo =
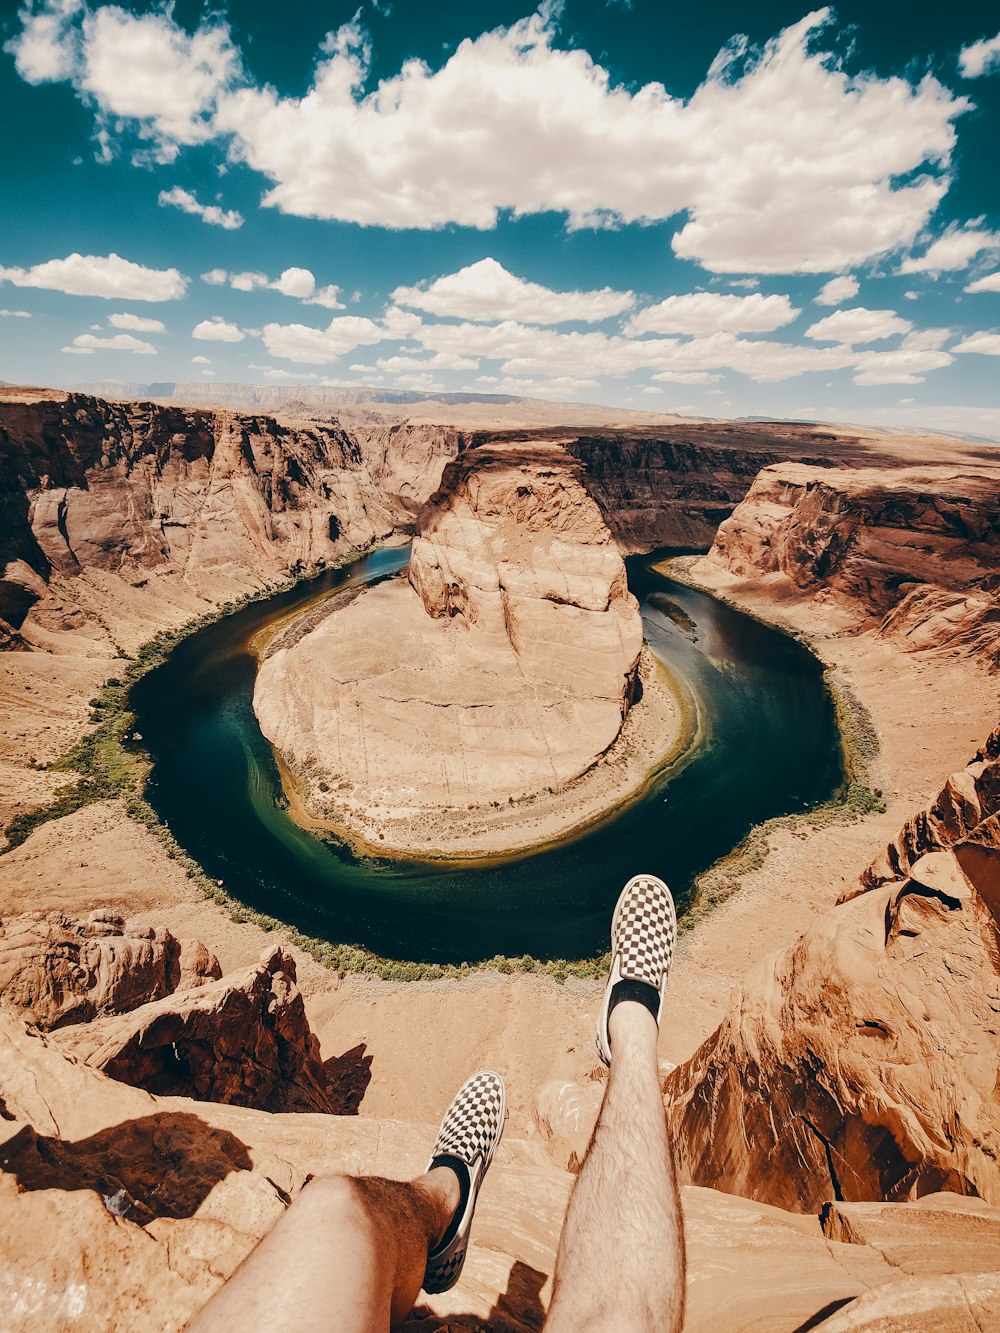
[862, 1063]
[56, 970]
[243, 1040]
[149, 1010]
[503, 669]
[914, 550]
[963, 812]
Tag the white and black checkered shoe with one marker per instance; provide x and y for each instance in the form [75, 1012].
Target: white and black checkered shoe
[470, 1131]
[643, 935]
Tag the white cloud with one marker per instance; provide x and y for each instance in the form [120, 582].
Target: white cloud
[917, 354]
[286, 376]
[146, 68]
[486, 291]
[137, 323]
[86, 343]
[953, 250]
[748, 283]
[687, 377]
[780, 160]
[46, 49]
[217, 330]
[858, 325]
[559, 386]
[837, 290]
[986, 344]
[201, 360]
[989, 283]
[980, 57]
[108, 276]
[440, 361]
[709, 312]
[296, 282]
[299, 342]
[229, 219]
[15, 314]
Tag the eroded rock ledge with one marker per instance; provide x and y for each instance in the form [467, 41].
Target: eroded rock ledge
[479, 705]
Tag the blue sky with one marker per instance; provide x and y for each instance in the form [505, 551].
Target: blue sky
[787, 212]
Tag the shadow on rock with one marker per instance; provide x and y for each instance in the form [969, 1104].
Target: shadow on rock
[347, 1079]
[519, 1309]
[161, 1165]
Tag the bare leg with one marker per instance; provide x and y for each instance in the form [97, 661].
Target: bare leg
[348, 1256]
[621, 1257]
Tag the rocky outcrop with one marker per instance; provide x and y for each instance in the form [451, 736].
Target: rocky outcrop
[964, 812]
[913, 551]
[861, 1064]
[501, 672]
[57, 970]
[243, 1040]
[150, 1010]
[96, 1232]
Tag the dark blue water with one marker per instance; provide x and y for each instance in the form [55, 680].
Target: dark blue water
[766, 744]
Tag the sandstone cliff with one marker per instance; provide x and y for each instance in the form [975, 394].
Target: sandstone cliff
[862, 1063]
[460, 709]
[913, 551]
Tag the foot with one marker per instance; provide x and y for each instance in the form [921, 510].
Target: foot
[466, 1142]
[643, 935]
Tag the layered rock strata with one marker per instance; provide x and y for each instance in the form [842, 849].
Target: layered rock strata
[427, 712]
[861, 1064]
[914, 552]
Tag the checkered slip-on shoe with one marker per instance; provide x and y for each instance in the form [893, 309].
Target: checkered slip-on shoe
[643, 935]
[470, 1131]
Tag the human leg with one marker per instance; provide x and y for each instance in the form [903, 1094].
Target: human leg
[620, 1264]
[351, 1254]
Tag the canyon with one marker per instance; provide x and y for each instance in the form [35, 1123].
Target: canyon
[848, 988]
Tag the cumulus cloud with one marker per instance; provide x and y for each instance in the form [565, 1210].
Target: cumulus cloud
[439, 361]
[201, 360]
[487, 291]
[708, 312]
[230, 219]
[980, 57]
[137, 323]
[15, 314]
[989, 283]
[47, 48]
[561, 386]
[299, 342]
[858, 325]
[217, 330]
[953, 250]
[286, 376]
[296, 282]
[780, 160]
[85, 344]
[918, 353]
[108, 276]
[837, 290]
[986, 344]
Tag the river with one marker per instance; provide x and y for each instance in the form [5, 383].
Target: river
[765, 743]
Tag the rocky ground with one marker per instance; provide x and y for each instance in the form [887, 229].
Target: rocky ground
[396, 1052]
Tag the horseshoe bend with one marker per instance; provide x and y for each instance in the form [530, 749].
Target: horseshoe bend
[499, 694]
